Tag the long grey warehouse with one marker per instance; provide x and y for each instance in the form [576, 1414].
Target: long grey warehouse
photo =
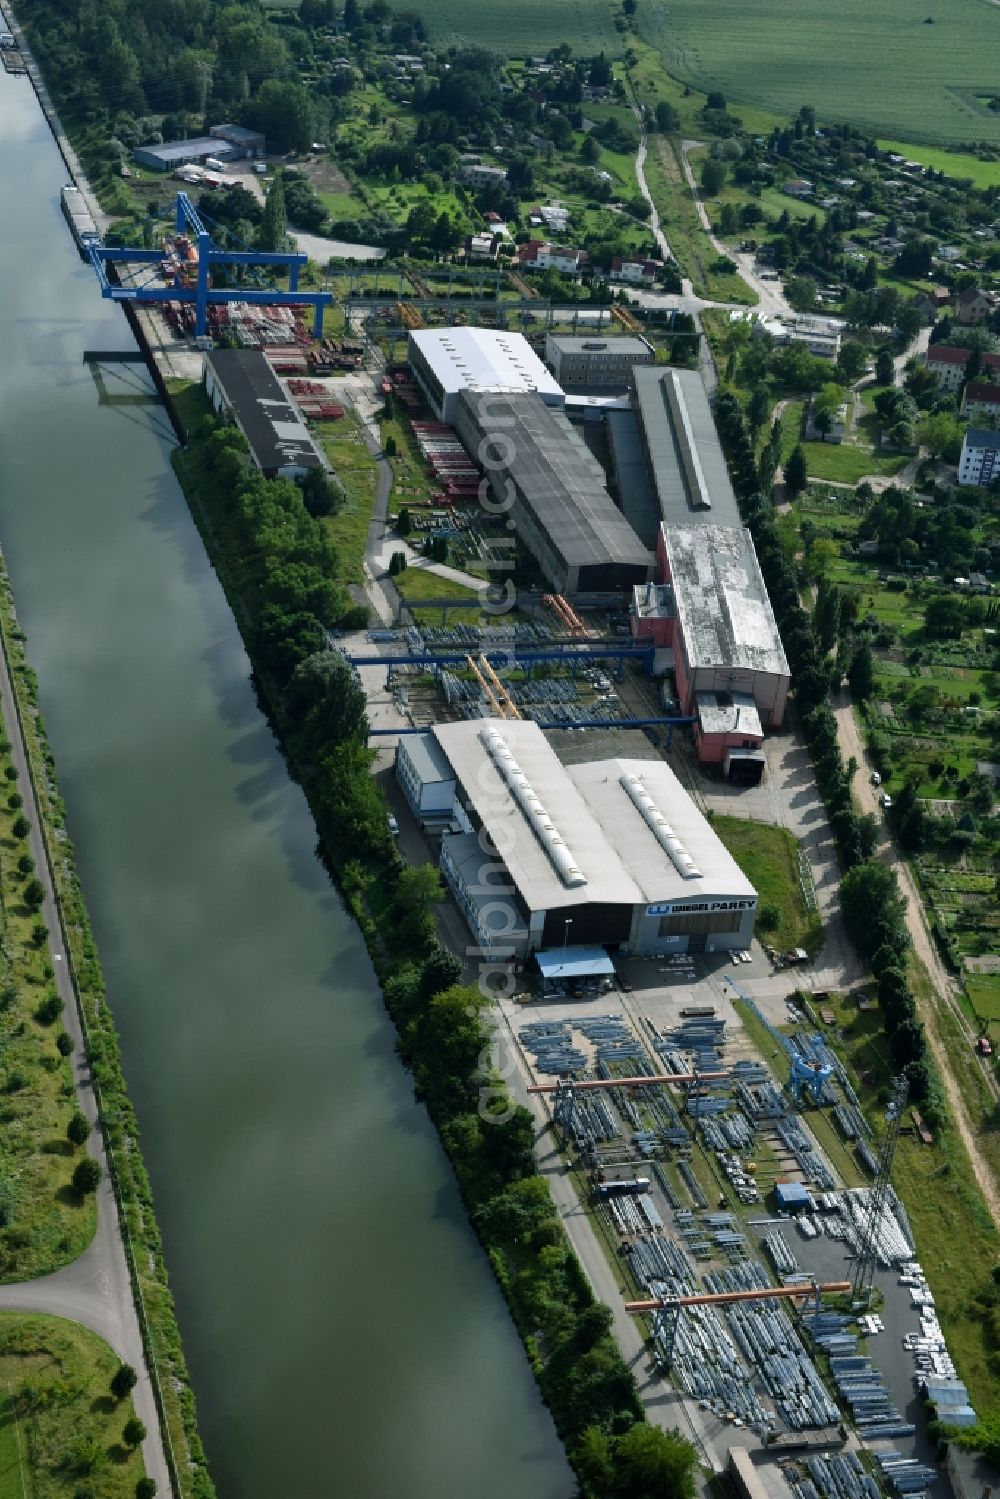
[685, 459]
[611, 852]
[542, 473]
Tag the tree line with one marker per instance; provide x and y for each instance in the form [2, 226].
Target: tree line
[281, 574]
[873, 907]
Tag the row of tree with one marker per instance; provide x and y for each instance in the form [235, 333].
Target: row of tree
[279, 564]
[814, 673]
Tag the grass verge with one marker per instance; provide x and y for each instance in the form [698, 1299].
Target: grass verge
[143, 1245]
[60, 1428]
[769, 857]
[690, 245]
[43, 1223]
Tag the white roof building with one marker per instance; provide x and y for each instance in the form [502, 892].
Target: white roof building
[613, 851]
[447, 361]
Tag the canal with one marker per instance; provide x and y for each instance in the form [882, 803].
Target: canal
[343, 1330]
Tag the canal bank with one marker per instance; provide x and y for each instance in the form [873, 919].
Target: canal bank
[341, 1324]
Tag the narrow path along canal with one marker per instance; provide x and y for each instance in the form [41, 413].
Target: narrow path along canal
[343, 1330]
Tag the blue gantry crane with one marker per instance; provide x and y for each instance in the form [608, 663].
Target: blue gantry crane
[202, 294]
[811, 1068]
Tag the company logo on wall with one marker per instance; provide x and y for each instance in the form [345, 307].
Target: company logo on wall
[668, 909]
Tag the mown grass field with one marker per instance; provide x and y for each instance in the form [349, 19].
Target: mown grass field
[344, 445]
[957, 164]
[768, 856]
[837, 463]
[878, 66]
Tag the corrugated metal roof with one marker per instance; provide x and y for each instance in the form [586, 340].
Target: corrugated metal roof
[620, 857]
[677, 427]
[276, 433]
[722, 604]
[635, 489]
[483, 359]
[657, 872]
[560, 481]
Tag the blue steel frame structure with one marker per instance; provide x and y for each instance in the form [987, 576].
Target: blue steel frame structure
[202, 295]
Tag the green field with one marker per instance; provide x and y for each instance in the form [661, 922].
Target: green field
[11, 1457]
[893, 73]
[525, 27]
[60, 1430]
[953, 163]
[769, 857]
[875, 66]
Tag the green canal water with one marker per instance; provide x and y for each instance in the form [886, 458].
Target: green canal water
[344, 1333]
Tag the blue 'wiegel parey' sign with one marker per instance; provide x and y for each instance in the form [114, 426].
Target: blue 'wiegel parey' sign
[704, 905]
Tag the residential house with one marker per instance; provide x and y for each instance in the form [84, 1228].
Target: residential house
[555, 218]
[635, 272]
[949, 365]
[980, 399]
[974, 305]
[482, 247]
[798, 187]
[477, 175]
[539, 255]
[979, 462]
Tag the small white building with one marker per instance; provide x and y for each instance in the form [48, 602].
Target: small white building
[635, 272]
[427, 779]
[979, 462]
[821, 336]
[477, 175]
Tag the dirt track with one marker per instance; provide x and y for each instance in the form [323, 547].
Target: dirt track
[923, 945]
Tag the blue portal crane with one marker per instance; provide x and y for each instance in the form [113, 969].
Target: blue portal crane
[202, 294]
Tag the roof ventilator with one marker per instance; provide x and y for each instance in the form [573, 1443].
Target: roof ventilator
[659, 827]
[520, 788]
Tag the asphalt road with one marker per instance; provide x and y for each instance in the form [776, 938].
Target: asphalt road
[96, 1289]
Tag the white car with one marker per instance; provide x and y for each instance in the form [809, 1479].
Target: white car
[886, 802]
[393, 825]
[876, 778]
